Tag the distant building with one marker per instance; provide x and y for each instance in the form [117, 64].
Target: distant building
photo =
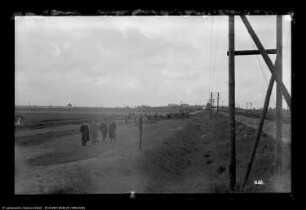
[173, 105]
[176, 105]
[143, 106]
[69, 105]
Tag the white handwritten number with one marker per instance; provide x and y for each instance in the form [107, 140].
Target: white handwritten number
[258, 182]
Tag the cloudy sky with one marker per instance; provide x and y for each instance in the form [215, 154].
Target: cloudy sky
[135, 60]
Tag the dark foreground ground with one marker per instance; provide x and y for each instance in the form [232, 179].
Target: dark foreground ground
[178, 156]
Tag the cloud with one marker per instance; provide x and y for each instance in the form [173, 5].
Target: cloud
[133, 60]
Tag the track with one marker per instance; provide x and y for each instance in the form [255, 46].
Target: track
[257, 114]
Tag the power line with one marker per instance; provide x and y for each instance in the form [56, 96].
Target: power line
[261, 68]
[211, 50]
[215, 56]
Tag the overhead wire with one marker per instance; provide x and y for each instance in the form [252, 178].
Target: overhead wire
[215, 56]
[266, 79]
[211, 50]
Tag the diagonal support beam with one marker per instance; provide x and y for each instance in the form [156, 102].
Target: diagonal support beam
[268, 61]
[258, 132]
[260, 126]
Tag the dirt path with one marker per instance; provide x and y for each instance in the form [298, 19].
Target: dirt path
[64, 166]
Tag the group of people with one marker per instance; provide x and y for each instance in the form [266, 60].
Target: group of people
[181, 114]
[90, 131]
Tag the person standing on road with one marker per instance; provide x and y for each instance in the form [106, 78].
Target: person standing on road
[85, 133]
[103, 129]
[112, 130]
[126, 119]
[94, 131]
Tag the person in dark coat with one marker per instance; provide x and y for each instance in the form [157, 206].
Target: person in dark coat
[112, 131]
[94, 131]
[85, 133]
[103, 129]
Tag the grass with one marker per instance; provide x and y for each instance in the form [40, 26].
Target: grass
[209, 154]
[44, 124]
[77, 181]
[217, 187]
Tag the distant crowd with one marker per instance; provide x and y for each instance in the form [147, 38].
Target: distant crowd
[172, 115]
[90, 131]
[108, 126]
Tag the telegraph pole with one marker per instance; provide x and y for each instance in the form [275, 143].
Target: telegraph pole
[222, 105]
[213, 106]
[210, 107]
[279, 104]
[231, 104]
[276, 71]
[218, 98]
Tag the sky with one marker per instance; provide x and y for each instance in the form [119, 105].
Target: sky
[141, 60]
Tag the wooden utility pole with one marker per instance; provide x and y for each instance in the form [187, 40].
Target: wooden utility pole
[276, 77]
[279, 101]
[213, 107]
[218, 98]
[211, 104]
[231, 104]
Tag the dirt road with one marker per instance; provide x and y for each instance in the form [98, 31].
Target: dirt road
[64, 166]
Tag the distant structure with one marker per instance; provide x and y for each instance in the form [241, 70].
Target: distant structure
[178, 105]
[184, 105]
[173, 105]
[143, 106]
[69, 105]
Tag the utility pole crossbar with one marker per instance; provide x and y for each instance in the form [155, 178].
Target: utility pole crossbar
[252, 52]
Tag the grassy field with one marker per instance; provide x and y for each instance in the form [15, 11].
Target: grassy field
[195, 159]
[41, 124]
[178, 155]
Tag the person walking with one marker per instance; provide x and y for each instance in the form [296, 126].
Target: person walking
[85, 133]
[94, 131]
[126, 119]
[103, 129]
[112, 131]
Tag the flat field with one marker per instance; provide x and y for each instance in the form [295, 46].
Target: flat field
[178, 155]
